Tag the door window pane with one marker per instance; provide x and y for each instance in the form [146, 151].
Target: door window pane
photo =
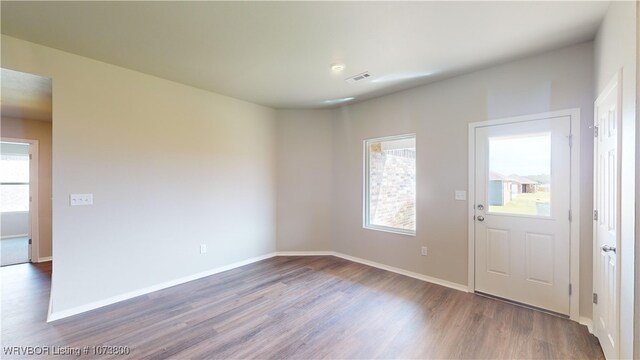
[520, 174]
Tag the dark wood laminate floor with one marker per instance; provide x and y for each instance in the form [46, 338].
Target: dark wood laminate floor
[294, 307]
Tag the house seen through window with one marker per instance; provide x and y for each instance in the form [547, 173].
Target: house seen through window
[520, 175]
[390, 184]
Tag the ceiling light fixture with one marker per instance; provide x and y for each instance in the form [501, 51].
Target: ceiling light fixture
[337, 67]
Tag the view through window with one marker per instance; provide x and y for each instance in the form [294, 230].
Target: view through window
[390, 184]
[520, 174]
[14, 177]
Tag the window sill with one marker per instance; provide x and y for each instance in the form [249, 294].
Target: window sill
[390, 230]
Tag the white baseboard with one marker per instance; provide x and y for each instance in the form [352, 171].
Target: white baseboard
[305, 253]
[44, 259]
[57, 315]
[586, 322]
[408, 273]
[393, 269]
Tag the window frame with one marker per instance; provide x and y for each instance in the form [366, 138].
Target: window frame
[366, 224]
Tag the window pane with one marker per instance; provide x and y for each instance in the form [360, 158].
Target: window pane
[14, 198]
[15, 168]
[392, 183]
[520, 175]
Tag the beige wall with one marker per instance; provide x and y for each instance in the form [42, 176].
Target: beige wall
[615, 49]
[170, 167]
[41, 131]
[439, 114]
[304, 171]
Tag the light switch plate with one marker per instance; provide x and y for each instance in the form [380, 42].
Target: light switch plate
[461, 195]
[80, 199]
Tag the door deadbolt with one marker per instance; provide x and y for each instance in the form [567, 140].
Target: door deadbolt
[607, 248]
[480, 207]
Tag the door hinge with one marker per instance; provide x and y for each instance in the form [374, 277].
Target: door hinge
[29, 241]
[570, 140]
[595, 298]
[30, 157]
[595, 215]
[595, 131]
[570, 216]
[570, 289]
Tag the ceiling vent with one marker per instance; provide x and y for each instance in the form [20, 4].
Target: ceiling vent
[358, 77]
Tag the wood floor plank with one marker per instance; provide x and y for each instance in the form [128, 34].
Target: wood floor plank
[294, 308]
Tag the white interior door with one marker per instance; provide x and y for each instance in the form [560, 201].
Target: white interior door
[522, 212]
[606, 224]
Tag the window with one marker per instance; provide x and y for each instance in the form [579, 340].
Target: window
[390, 184]
[520, 175]
[14, 177]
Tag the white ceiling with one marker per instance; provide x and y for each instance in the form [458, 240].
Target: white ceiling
[25, 96]
[278, 53]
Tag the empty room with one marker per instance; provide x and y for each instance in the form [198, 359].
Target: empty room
[319, 180]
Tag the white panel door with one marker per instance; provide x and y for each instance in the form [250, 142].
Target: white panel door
[522, 212]
[606, 230]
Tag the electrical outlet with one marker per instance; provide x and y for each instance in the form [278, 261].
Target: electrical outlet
[424, 251]
[203, 248]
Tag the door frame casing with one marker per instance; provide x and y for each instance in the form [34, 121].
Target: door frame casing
[33, 192]
[574, 228]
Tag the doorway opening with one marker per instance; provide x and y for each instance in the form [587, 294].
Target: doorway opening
[25, 168]
[16, 195]
[524, 210]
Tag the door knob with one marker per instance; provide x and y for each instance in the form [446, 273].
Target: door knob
[480, 218]
[607, 248]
